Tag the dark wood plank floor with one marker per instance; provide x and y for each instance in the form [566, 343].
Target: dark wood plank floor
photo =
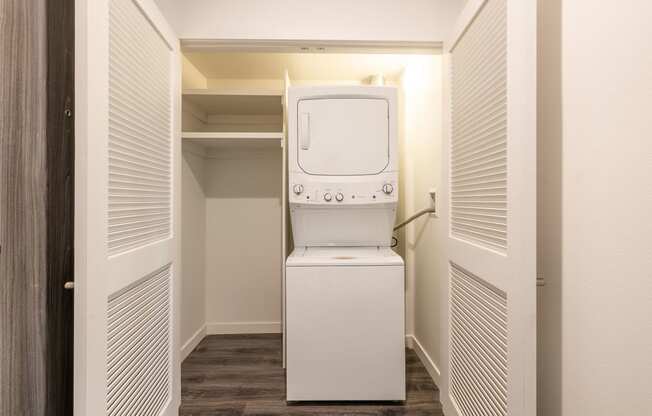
[243, 375]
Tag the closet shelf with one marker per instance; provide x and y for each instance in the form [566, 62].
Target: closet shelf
[233, 102]
[234, 138]
[236, 91]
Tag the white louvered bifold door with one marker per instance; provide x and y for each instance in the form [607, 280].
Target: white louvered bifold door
[489, 363]
[127, 133]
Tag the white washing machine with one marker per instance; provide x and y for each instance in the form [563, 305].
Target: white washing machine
[345, 324]
[344, 305]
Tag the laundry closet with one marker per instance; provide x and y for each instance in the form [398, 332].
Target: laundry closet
[235, 222]
[183, 195]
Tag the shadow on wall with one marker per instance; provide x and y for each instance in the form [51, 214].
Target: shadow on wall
[258, 175]
[240, 173]
[549, 195]
[194, 160]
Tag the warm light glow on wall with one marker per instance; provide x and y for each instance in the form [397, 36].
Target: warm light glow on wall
[419, 71]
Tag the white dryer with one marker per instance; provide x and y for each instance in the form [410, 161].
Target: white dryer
[345, 335]
[343, 165]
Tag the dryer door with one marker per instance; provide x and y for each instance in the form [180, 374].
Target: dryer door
[343, 136]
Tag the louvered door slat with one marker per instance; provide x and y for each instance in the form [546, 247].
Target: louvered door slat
[479, 128]
[138, 351]
[140, 144]
[478, 343]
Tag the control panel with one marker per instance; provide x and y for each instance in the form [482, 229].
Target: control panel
[310, 190]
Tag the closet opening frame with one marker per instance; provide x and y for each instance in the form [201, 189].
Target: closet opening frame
[301, 46]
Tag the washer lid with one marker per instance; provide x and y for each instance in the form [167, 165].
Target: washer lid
[343, 256]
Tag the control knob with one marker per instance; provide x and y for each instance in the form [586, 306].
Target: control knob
[388, 188]
[339, 197]
[298, 189]
[328, 197]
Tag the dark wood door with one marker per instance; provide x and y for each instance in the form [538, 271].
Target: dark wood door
[23, 185]
[36, 206]
[60, 205]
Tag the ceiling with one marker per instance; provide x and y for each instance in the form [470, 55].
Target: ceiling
[301, 66]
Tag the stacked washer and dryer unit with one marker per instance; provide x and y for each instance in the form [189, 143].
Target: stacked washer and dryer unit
[345, 287]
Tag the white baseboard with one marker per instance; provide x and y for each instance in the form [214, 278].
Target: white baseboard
[412, 342]
[215, 328]
[192, 343]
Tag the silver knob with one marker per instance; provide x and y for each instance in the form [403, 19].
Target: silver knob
[69, 285]
[388, 188]
[298, 189]
[339, 197]
[328, 197]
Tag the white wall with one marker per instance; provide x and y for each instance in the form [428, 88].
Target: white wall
[193, 217]
[192, 77]
[363, 20]
[421, 128]
[231, 242]
[243, 241]
[595, 312]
